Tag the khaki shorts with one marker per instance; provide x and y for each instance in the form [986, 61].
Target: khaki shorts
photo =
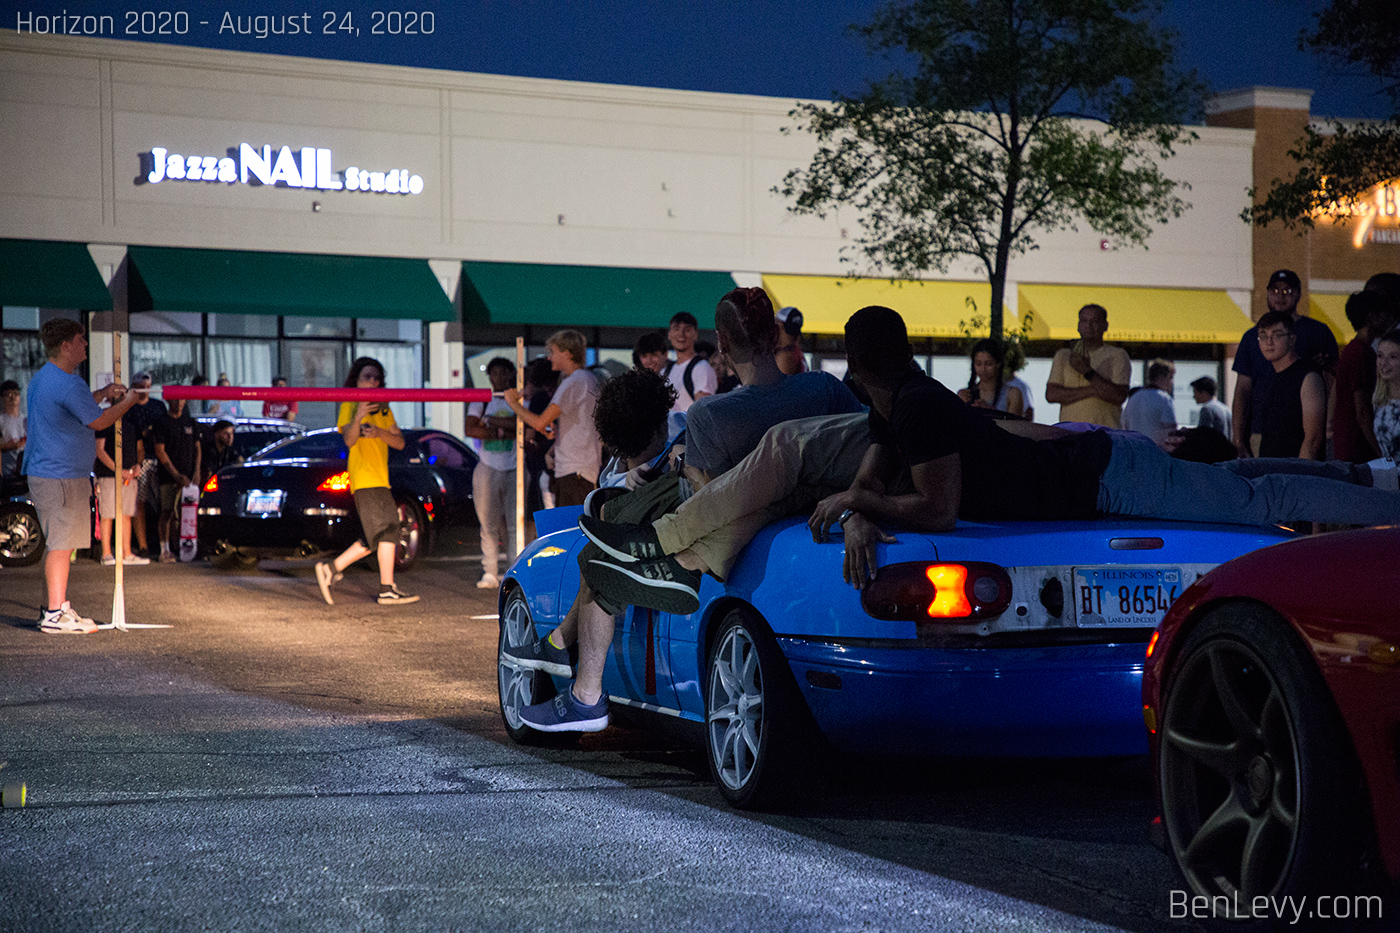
[105, 493]
[379, 516]
[65, 511]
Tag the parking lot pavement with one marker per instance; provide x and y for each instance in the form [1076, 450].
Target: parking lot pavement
[272, 762]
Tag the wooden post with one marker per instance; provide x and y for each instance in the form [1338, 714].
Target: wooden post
[118, 538]
[520, 450]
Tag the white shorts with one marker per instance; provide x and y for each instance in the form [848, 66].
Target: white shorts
[105, 491]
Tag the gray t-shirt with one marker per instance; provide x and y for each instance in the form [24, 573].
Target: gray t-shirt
[577, 447]
[724, 429]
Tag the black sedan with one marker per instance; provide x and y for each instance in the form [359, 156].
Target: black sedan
[294, 499]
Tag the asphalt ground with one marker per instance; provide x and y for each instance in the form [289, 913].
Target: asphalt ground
[273, 763]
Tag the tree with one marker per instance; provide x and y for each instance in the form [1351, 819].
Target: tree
[1340, 164]
[985, 143]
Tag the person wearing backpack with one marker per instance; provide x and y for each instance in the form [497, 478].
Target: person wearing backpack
[692, 375]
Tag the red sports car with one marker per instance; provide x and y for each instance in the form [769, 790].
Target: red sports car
[1272, 699]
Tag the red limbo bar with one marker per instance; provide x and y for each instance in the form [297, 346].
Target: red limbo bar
[288, 394]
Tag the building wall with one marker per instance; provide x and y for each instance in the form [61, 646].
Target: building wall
[1326, 258]
[515, 169]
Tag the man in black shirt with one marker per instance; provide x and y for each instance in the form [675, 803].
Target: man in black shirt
[176, 438]
[961, 464]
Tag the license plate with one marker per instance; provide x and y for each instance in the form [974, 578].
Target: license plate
[1125, 597]
[264, 502]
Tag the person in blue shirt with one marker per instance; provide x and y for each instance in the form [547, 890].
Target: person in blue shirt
[64, 418]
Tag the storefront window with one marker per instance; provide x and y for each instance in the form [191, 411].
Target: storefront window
[403, 369]
[242, 325]
[24, 356]
[245, 362]
[171, 360]
[167, 322]
[295, 326]
[16, 318]
[318, 363]
[374, 329]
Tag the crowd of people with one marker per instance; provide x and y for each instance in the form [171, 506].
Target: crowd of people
[676, 467]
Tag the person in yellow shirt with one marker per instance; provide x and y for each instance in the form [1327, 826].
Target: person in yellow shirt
[1090, 379]
[369, 431]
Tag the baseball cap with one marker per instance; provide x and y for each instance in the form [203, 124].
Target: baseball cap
[1287, 277]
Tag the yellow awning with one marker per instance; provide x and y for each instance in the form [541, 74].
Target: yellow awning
[929, 309]
[1147, 315]
[1332, 311]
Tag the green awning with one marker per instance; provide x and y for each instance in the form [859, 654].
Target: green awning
[603, 296]
[48, 274]
[234, 282]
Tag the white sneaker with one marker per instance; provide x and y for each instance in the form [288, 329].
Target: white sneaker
[488, 582]
[1384, 474]
[64, 621]
[134, 560]
[109, 561]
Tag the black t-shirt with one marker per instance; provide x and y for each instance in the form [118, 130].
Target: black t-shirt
[131, 433]
[1281, 428]
[144, 417]
[181, 439]
[1004, 476]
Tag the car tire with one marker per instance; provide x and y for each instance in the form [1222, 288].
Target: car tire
[413, 534]
[518, 687]
[21, 535]
[759, 734]
[1262, 792]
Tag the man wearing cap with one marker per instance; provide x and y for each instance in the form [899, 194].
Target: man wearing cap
[1313, 342]
[693, 376]
[789, 355]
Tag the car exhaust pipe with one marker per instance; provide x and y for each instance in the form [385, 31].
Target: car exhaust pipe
[221, 548]
[307, 549]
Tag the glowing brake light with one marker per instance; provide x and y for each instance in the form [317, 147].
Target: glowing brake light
[922, 592]
[1152, 644]
[337, 483]
[949, 591]
[213, 484]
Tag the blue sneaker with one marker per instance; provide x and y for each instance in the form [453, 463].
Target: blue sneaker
[565, 713]
[540, 655]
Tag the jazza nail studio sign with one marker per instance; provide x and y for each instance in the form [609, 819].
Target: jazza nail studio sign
[307, 167]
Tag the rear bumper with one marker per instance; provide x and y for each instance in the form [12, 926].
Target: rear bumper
[278, 534]
[1081, 700]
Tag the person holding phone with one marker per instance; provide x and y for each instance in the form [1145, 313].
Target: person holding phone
[369, 431]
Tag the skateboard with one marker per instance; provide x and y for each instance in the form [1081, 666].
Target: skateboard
[189, 523]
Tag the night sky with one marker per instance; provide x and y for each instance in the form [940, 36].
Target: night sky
[774, 47]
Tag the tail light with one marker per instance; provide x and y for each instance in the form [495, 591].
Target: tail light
[213, 484]
[921, 592]
[337, 483]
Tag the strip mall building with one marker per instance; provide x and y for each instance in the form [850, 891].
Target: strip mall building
[258, 215]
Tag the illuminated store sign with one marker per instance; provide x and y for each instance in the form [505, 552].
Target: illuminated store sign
[1377, 215]
[307, 167]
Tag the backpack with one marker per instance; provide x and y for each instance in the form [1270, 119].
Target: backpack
[686, 379]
